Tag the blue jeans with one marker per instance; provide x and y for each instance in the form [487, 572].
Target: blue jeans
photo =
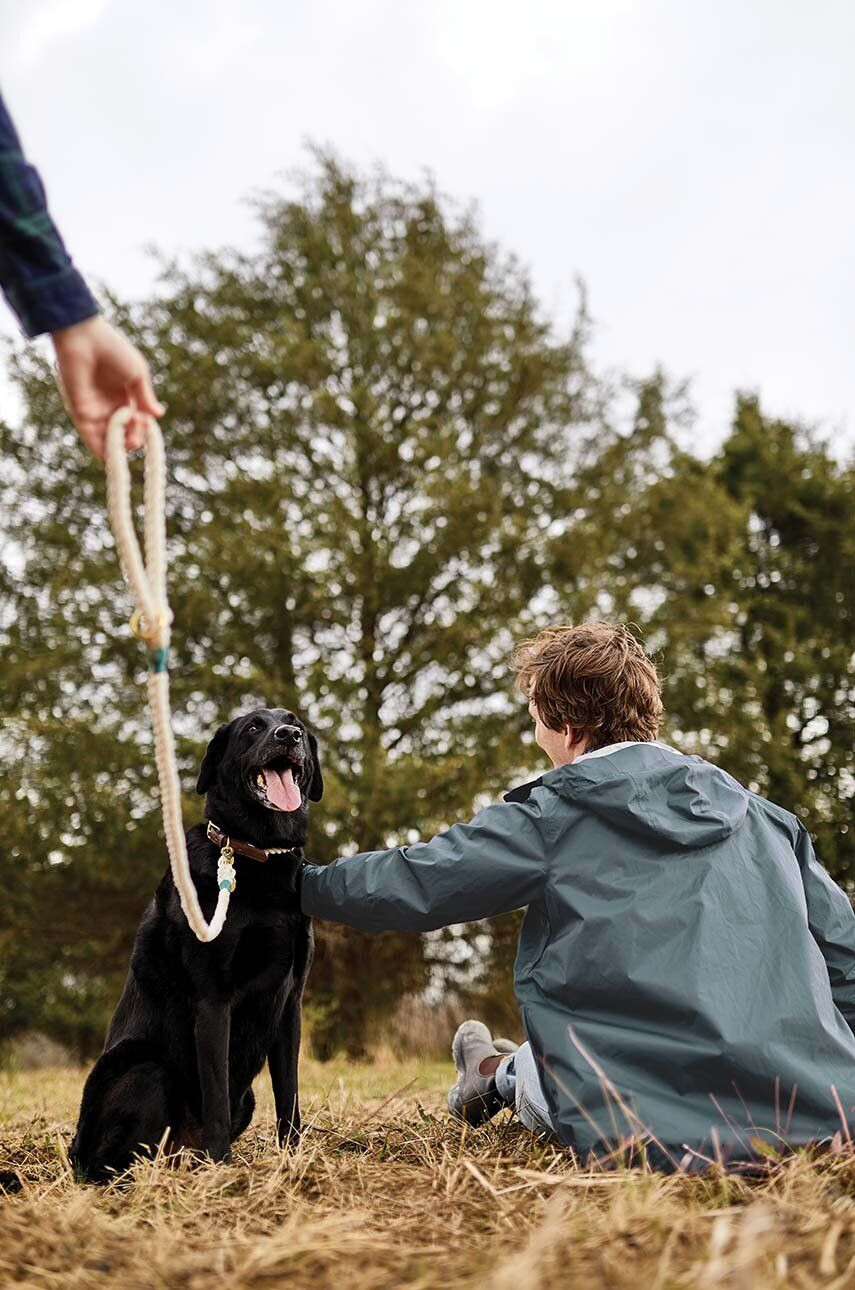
[518, 1085]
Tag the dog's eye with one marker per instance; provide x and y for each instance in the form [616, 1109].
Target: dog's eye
[250, 729]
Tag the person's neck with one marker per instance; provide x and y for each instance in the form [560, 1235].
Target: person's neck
[570, 757]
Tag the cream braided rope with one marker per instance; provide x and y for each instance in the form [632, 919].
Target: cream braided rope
[151, 622]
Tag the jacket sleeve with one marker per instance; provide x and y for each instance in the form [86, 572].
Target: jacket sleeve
[832, 924]
[41, 285]
[492, 865]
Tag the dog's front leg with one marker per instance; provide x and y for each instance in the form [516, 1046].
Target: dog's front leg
[282, 1060]
[213, 1021]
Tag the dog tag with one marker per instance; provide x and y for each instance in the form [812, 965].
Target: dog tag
[226, 870]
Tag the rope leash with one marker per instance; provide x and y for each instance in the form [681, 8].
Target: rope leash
[151, 622]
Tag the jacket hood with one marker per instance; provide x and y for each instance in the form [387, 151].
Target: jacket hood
[651, 789]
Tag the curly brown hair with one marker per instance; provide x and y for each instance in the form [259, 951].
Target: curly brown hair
[595, 678]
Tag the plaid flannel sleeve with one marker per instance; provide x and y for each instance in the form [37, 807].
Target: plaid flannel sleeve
[39, 281]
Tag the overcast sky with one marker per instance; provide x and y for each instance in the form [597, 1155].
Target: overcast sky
[694, 163]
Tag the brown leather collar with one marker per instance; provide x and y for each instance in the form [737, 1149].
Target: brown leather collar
[221, 840]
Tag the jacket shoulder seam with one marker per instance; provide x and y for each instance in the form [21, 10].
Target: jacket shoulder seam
[552, 818]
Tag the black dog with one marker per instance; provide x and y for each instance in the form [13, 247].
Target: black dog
[196, 1021]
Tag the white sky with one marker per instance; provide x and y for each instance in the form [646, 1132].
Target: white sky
[693, 162]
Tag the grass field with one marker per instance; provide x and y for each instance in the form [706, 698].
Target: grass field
[384, 1191]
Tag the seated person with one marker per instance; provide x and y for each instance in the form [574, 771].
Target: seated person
[686, 968]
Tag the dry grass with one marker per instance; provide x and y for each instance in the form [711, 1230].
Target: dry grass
[385, 1191]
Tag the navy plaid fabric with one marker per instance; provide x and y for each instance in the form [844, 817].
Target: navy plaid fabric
[38, 279]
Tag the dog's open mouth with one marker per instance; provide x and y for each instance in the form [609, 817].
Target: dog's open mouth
[277, 785]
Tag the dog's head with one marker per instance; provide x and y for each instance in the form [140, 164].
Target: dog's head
[258, 774]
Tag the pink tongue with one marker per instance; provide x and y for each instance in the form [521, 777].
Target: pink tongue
[281, 789]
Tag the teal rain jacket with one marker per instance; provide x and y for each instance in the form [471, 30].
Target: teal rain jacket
[686, 968]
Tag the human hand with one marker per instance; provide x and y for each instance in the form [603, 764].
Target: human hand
[99, 370]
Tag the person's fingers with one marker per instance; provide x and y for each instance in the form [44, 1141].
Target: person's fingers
[60, 385]
[92, 432]
[134, 436]
[99, 370]
[94, 436]
[75, 387]
[69, 382]
[146, 399]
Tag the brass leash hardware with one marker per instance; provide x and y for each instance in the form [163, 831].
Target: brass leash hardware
[143, 630]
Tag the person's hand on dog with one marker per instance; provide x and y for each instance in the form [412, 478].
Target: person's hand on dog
[99, 370]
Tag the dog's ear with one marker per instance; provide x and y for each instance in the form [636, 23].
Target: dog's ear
[316, 787]
[213, 756]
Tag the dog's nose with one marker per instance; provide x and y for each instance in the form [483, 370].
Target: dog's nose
[288, 734]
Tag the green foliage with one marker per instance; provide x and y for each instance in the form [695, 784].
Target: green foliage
[384, 468]
[368, 423]
[739, 571]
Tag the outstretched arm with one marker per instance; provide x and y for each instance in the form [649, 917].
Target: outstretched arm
[495, 864]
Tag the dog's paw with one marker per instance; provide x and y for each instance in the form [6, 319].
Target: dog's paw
[289, 1136]
[217, 1149]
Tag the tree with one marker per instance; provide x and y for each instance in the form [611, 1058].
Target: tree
[736, 572]
[791, 668]
[739, 571]
[369, 425]
[385, 467]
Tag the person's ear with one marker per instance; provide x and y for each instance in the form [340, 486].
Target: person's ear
[572, 737]
[316, 784]
[214, 754]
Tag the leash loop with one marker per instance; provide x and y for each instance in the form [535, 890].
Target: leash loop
[151, 622]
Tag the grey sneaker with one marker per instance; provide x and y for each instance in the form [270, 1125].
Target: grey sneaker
[474, 1097]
